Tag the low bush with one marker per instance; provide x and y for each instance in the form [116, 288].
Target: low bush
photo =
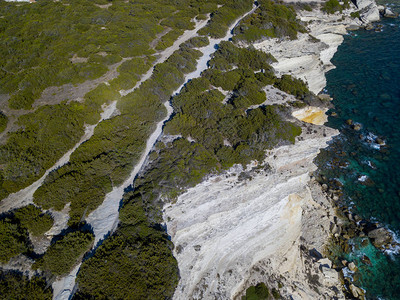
[269, 20]
[32, 218]
[64, 254]
[257, 292]
[13, 240]
[14, 285]
[293, 86]
[3, 122]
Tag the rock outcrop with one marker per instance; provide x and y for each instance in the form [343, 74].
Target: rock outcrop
[230, 234]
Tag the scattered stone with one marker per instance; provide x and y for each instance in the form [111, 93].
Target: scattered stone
[357, 127]
[352, 267]
[349, 122]
[324, 97]
[353, 27]
[333, 114]
[380, 141]
[369, 27]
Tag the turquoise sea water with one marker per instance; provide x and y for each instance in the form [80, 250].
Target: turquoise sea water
[366, 89]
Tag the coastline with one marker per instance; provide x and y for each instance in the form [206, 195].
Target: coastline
[223, 228]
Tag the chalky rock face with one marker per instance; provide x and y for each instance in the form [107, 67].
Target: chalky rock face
[247, 226]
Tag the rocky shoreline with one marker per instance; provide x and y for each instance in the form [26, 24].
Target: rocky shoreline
[220, 257]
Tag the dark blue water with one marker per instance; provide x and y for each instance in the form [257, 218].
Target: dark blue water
[366, 89]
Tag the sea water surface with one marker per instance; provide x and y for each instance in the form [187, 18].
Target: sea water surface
[366, 89]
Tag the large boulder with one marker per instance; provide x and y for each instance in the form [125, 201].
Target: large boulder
[387, 13]
[357, 292]
[380, 237]
[369, 11]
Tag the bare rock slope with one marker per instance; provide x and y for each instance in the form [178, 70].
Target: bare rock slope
[235, 230]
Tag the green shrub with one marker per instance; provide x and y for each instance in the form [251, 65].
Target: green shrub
[332, 6]
[269, 20]
[228, 56]
[197, 42]
[223, 17]
[13, 240]
[3, 122]
[258, 292]
[136, 262]
[34, 220]
[63, 255]
[293, 86]
[14, 285]
[355, 14]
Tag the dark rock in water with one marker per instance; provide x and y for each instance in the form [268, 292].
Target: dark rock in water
[380, 237]
[357, 127]
[365, 243]
[369, 27]
[333, 114]
[324, 97]
[379, 141]
[365, 259]
[349, 122]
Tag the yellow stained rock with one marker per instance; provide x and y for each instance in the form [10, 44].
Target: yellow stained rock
[311, 114]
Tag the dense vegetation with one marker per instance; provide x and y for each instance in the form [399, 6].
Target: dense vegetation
[64, 253]
[261, 292]
[332, 6]
[3, 122]
[214, 136]
[216, 130]
[32, 218]
[257, 292]
[268, 21]
[15, 286]
[293, 86]
[134, 263]
[45, 135]
[14, 239]
[108, 157]
[222, 18]
[50, 131]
